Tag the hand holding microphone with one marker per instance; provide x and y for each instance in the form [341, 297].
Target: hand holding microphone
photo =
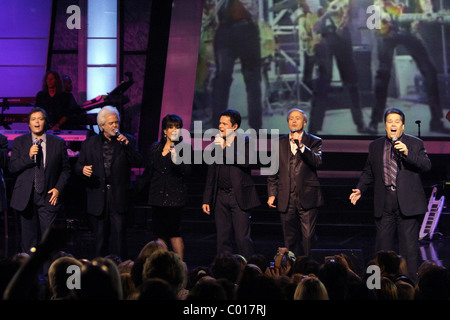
[120, 137]
[399, 146]
[34, 150]
[296, 137]
[219, 141]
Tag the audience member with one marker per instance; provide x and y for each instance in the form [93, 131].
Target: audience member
[164, 276]
[434, 284]
[207, 290]
[168, 266]
[387, 291]
[100, 281]
[334, 276]
[226, 266]
[405, 290]
[147, 251]
[311, 288]
[154, 289]
[57, 278]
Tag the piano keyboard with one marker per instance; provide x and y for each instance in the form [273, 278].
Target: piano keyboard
[431, 218]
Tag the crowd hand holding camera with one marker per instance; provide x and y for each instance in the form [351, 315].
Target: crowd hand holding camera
[276, 267]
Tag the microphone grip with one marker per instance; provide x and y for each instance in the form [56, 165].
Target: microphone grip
[35, 143]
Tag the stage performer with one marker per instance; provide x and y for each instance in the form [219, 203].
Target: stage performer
[393, 165]
[230, 192]
[397, 30]
[295, 189]
[336, 42]
[40, 164]
[105, 162]
[237, 37]
[54, 99]
[165, 176]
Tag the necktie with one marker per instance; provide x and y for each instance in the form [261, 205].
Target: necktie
[39, 170]
[393, 167]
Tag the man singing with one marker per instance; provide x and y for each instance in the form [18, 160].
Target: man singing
[40, 163]
[230, 192]
[105, 161]
[296, 185]
[394, 165]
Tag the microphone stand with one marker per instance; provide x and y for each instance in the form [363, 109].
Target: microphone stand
[418, 125]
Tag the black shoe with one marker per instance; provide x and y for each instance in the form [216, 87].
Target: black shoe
[373, 127]
[365, 129]
[438, 126]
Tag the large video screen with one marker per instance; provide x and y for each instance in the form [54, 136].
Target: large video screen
[343, 62]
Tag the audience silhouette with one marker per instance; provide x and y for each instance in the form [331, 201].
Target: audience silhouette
[159, 274]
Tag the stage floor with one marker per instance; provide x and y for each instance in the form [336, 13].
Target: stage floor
[200, 244]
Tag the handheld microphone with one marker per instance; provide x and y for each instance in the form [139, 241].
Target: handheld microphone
[35, 143]
[117, 132]
[295, 140]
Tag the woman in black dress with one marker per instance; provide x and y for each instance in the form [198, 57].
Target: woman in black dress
[168, 192]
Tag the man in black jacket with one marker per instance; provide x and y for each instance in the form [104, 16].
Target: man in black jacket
[394, 165]
[40, 164]
[296, 186]
[105, 161]
[230, 191]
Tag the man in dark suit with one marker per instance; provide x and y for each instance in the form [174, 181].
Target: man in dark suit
[296, 185]
[105, 162]
[230, 191]
[4, 161]
[41, 165]
[394, 165]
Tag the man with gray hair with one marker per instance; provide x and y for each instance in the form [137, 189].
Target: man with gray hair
[105, 163]
[295, 190]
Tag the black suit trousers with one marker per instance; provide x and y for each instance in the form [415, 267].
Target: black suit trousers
[393, 222]
[37, 217]
[297, 224]
[109, 230]
[230, 217]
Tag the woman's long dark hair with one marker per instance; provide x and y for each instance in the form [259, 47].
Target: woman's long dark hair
[58, 81]
[167, 122]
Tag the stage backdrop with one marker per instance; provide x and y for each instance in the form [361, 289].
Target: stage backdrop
[294, 60]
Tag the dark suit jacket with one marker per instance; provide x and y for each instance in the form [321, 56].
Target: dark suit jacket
[240, 175]
[125, 157]
[308, 186]
[57, 168]
[411, 196]
[163, 180]
[4, 161]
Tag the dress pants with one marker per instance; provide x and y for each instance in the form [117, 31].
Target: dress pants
[393, 221]
[340, 47]
[36, 219]
[297, 222]
[229, 217]
[235, 41]
[109, 230]
[415, 47]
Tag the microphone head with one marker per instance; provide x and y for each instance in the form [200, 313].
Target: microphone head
[116, 131]
[394, 138]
